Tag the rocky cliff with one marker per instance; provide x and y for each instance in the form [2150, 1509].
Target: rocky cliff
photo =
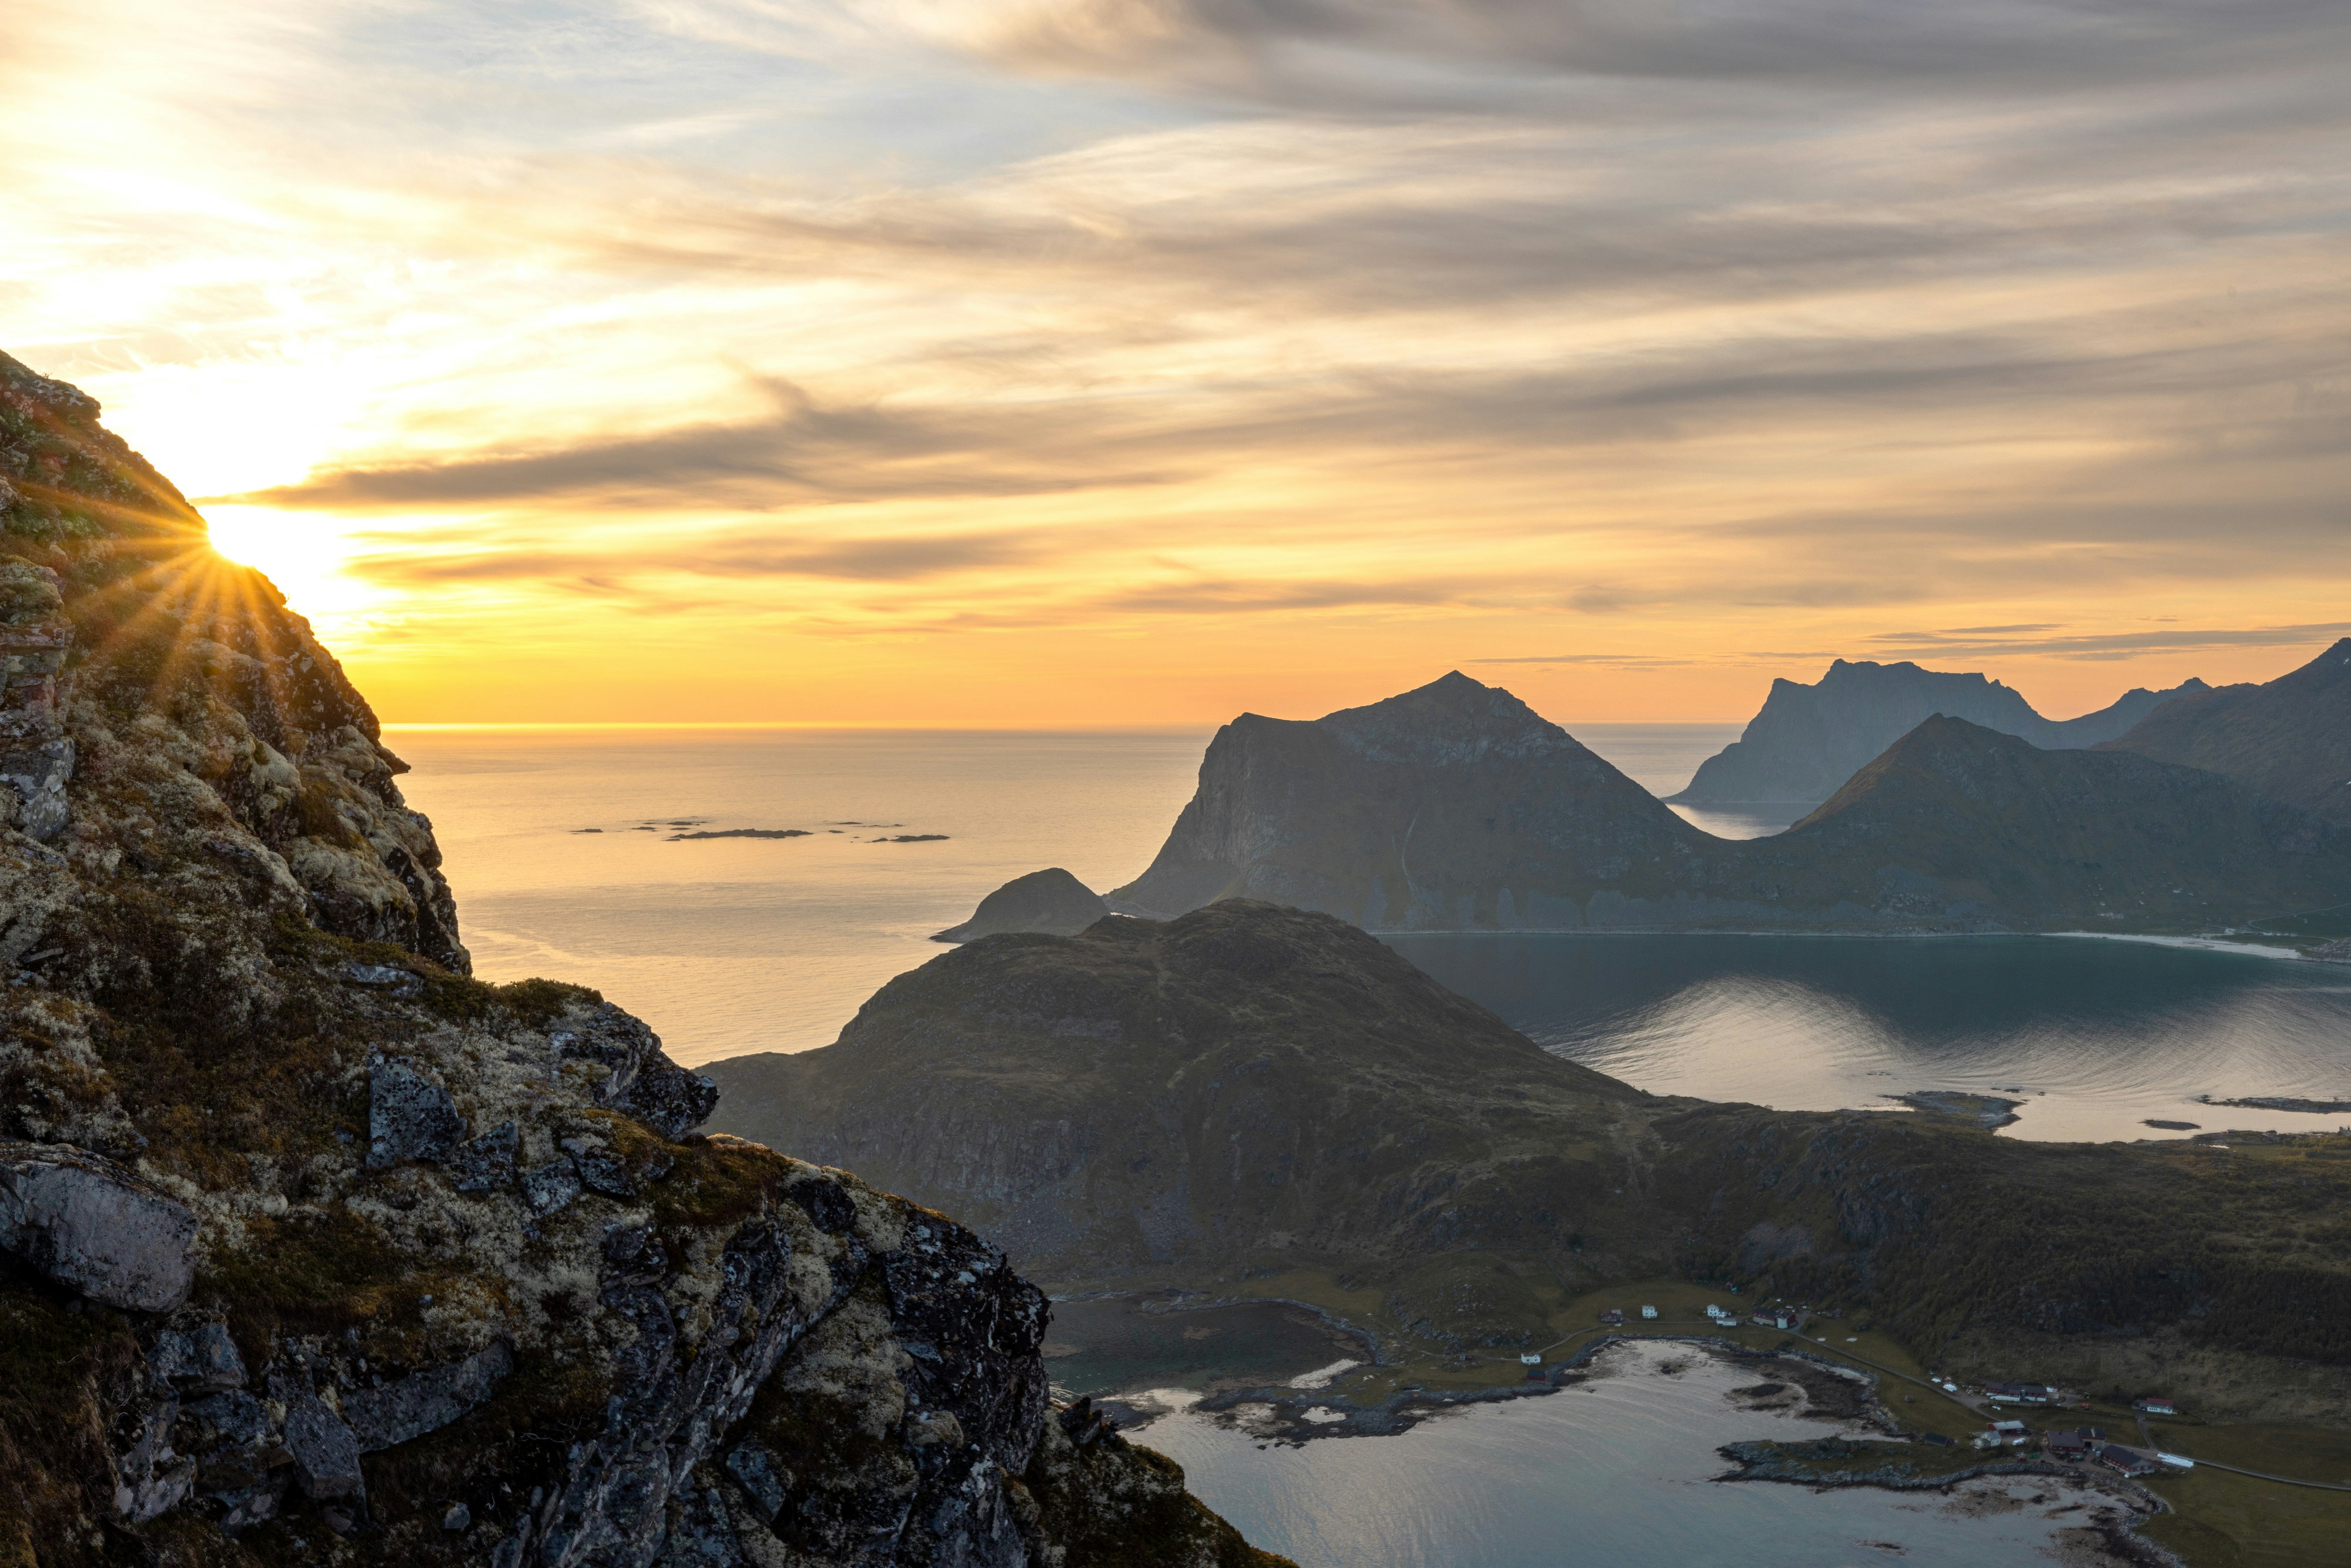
[1455, 807]
[1249, 1093]
[1452, 806]
[315, 1250]
[2290, 738]
[1807, 740]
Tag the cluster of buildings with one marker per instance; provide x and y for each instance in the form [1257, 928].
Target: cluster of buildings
[2083, 1445]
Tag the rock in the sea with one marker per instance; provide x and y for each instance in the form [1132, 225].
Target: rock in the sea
[424, 1401]
[1051, 901]
[94, 1228]
[410, 1117]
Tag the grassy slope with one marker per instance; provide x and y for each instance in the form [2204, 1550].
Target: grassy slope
[2290, 738]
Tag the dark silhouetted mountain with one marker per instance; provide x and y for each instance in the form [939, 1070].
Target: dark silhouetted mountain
[1456, 808]
[1244, 1077]
[1050, 901]
[1808, 741]
[2290, 738]
[1454, 805]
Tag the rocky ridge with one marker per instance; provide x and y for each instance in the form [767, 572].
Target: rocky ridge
[1807, 740]
[313, 1249]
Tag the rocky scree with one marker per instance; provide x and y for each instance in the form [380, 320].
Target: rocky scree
[312, 1248]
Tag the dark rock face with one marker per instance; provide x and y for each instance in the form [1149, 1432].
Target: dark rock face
[638, 1079]
[424, 1401]
[1454, 806]
[410, 1117]
[1050, 901]
[94, 1228]
[318, 1249]
[1494, 819]
[2290, 738]
[1808, 741]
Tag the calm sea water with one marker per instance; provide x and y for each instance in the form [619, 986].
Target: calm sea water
[731, 946]
[1615, 1473]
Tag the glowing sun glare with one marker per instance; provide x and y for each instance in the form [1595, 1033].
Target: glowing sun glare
[303, 555]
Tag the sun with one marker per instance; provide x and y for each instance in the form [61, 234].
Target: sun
[303, 553]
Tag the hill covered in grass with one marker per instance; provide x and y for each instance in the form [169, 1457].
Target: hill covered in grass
[2289, 739]
[1250, 1092]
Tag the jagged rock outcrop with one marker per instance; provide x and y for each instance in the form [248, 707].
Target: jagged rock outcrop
[314, 1249]
[1807, 740]
[1457, 807]
[2290, 738]
[1050, 901]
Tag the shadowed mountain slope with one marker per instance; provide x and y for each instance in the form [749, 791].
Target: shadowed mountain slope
[1457, 807]
[2289, 739]
[1244, 1077]
[1807, 740]
[1250, 1090]
[1452, 805]
[315, 1250]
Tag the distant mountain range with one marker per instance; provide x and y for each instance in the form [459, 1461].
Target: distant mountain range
[1456, 807]
[2289, 739]
[1806, 741]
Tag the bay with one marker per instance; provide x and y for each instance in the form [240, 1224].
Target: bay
[1615, 1473]
[732, 945]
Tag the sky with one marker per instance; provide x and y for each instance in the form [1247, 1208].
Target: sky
[1107, 362]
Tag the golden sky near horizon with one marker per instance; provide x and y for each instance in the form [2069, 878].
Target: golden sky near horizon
[1141, 361]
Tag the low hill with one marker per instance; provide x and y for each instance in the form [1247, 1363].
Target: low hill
[1250, 1092]
[1050, 901]
[2290, 738]
[1245, 1078]
[1807, 740]
[1457, 807]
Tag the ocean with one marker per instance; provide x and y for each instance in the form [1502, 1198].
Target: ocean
[565, 849]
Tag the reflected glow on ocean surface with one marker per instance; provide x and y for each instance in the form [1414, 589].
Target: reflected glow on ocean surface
[741, 944]
[1612, 1474]
[2095, 1037]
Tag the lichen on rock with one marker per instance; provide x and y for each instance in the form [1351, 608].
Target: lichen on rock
[313, 1248]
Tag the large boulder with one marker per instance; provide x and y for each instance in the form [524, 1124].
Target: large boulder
[93, 1227]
